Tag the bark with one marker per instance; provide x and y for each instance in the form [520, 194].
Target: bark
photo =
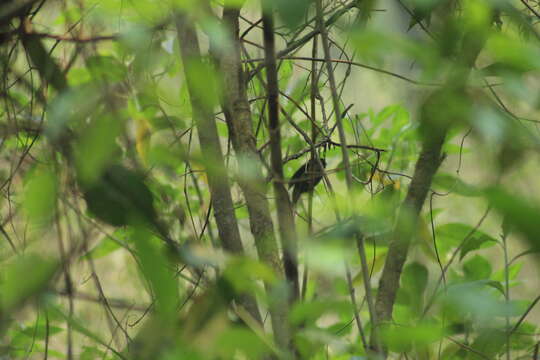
[211, 151]
[287, 229]
[238, 117]
[426, 167]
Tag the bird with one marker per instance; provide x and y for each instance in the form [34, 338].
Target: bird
[307, 177]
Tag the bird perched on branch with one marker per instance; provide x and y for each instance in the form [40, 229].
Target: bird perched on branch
[307, 177]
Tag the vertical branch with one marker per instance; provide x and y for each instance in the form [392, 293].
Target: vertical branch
[210, 148]
[346, 162]
[314, 133]
[238, 116]
[285, 215]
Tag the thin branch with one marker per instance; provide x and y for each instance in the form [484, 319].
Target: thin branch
[348, 173]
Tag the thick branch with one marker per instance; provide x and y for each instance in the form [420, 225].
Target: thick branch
[238, 116]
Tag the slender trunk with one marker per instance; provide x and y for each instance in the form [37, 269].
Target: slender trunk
[348, 177]
[238, 117]
[211, 150]
[287, 229]
[425, 169]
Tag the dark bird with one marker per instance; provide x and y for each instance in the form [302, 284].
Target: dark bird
[307, 177]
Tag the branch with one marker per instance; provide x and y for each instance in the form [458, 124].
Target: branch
[285, 215]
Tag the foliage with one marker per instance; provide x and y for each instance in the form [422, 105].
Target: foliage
[137, 220]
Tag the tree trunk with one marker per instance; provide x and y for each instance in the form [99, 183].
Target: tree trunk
[238, 117]
[210, 148]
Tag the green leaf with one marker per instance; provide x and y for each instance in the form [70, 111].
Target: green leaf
[97, 147]
[40, 331]
[403, 338]
[489, 343]
[120, 197]
[477, 268]
[22, 279]
[240, 340]
[475, 243]
[291, 12]
[513, 272]
[310, 312]
[452, 234]
[40, 194]
[107, 245]
[413, 284]
[415, 278]
[106, 68]
[455, 185]
[521, 214]
[523, 337]
[496, 285]
[154, 265]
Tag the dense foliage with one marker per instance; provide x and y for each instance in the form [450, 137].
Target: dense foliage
[310, 179]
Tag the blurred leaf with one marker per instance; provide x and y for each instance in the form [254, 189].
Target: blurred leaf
[22, 279]
[163, 155]
[40, 195]
[520, 213]
[298, 94]
[71, 107]
[475, 243]
[452, 234]
[523, 337]
[120, 197]
[477, 268]
[91, 353]
[154, 265]
[455, 185]
[509, 52]
[97, 148]
[242, 273]
[375, 264]
[474, 297]
[501, 68]
[203, 79]
[310, 312]
[291, 12]
[489, 343]
[496, 285]
[106, 68]
[167, 122]
[513, 272]
[43, 61]
[107, 245]
[404, 338]
[79, 326]
[240, 340]
[40, 330]
[415, 278]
